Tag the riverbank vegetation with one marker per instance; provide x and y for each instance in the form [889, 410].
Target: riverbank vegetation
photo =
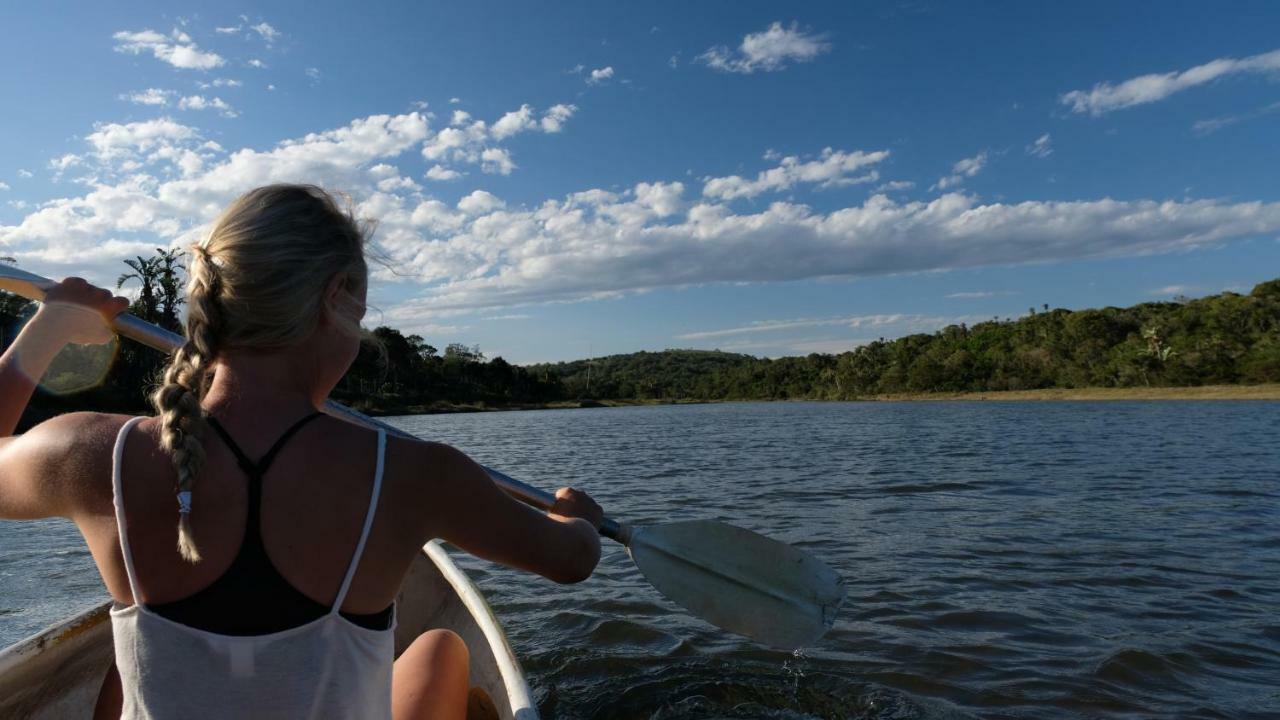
[1229, 339]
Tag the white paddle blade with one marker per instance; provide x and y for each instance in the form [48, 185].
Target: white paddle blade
[740, 581]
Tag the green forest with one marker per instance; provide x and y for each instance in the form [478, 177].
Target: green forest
[1227, 338]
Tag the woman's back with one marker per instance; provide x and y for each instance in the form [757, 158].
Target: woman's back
[322, 666]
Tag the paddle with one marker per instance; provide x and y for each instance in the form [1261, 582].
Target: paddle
[733, 578]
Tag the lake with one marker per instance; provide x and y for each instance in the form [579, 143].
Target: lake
[1003, 560]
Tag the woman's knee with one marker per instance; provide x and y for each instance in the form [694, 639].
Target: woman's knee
[438, 649]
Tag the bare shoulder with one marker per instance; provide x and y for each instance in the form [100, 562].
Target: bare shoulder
[72, 453]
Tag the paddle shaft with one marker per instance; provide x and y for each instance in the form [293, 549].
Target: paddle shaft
[135, 328]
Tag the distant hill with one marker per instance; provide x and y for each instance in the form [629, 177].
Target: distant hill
[1221, 339]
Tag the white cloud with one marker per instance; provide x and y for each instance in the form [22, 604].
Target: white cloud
[523, 119]
[761, 326]
[267, 32]
[480, 203]
[978, 294]
[496, 161]
[965, 168]
[833, 167]
[200, 102]
[600, 244]
[1042, 147]
[150, 96]
[442, 173]
[600, 75]
[256, 63]
[513, 122]
[4, 186]
[454, 100]
[769, 50]
[314, 74]
[483, 254]
[1169, 290]
[1105, 97]
[112, 142]
[1212, 125]
[227, 30]
[471, 141]
[895, 185]
[145, 205]
[177, 49]
[219, 82]
[25, 173]
[555, 117]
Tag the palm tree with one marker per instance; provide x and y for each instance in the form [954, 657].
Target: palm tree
[145, 271]
[167, 264]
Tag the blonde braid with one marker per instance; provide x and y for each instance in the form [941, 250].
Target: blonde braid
[186, 380]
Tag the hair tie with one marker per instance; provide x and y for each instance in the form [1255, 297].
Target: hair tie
[184, 502]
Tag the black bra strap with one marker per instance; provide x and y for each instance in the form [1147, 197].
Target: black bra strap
[258, 469]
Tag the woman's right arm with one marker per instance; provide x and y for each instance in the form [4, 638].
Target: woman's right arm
[470, 511]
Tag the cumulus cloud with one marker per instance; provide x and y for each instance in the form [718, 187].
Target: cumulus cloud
[153, 197]
[522, 120]
[200, 102]
[965, 168]
[833, 167]
[1105, 97]
[4, 186]
[150, 96]
[482, 253]
[600, 75]
[256, 63]
[442, 173]
[25, 173]
[472, 141]
[266, 32]
[1042, 147]
[769, 50]
[177, 48]
[895, 185]
[599, 244]
[219, 82]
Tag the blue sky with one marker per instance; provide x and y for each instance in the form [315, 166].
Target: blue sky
[557, 180]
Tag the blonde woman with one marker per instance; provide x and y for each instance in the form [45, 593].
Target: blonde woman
[254, 546]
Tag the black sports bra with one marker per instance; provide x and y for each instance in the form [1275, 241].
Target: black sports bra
[251, 597]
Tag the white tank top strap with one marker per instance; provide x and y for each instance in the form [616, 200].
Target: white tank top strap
[368, 523]
[117, 499]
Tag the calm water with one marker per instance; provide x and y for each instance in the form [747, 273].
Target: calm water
[1004, 560]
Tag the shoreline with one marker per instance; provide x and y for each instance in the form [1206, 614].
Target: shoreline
[1265, 392]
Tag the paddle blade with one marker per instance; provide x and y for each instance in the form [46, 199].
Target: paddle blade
[741, 581]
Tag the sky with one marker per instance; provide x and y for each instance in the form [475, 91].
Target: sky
[555, 181]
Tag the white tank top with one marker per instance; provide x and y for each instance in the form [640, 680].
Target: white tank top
[327, 668]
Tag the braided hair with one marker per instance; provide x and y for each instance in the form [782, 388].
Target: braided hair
[257, 281]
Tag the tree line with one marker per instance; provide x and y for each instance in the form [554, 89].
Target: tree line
[1227, 338]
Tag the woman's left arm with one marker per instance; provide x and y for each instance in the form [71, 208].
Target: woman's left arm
[73, 312]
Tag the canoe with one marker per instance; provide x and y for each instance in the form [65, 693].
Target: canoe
[57, 673]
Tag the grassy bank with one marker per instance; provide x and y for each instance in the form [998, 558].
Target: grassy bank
[1268, 391]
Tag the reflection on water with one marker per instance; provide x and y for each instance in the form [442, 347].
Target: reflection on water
[1003, 560]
